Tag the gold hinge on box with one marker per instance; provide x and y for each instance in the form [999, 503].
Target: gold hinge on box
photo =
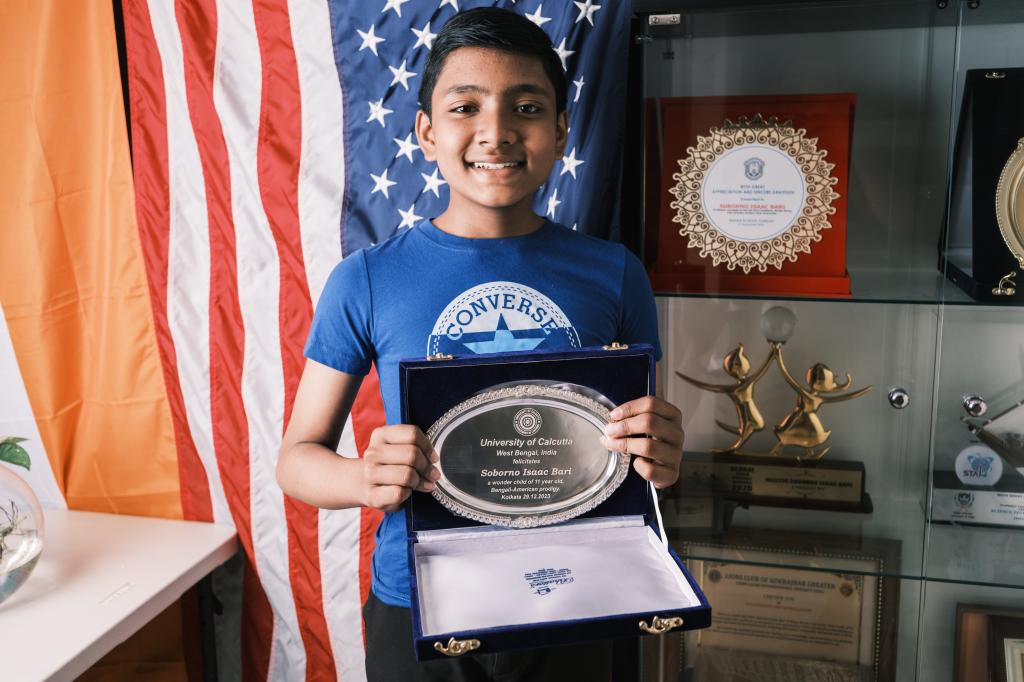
[660, 625]
[615, 345]
[439, 356]
[457, 647]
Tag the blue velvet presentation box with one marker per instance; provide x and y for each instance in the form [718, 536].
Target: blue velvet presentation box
[608, 573]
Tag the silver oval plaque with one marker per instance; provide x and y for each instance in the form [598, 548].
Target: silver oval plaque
[525, 455]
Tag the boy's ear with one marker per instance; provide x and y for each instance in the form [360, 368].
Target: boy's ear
[425, 135]
[561, 132]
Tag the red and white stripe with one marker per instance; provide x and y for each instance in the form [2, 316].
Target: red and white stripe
[239, 163]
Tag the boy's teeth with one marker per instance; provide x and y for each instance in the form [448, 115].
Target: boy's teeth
[493, 166]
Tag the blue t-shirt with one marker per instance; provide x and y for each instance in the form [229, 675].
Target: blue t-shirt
[425, 291]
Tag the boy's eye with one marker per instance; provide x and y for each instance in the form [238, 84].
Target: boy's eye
[463, 109]
[527, 109]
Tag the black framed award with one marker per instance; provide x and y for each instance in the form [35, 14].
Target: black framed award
[982, 243]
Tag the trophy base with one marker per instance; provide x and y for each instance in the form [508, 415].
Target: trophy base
[826, 485]
[977, 289]
[1000, 505]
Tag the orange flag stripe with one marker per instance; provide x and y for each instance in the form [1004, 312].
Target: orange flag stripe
[71, 275]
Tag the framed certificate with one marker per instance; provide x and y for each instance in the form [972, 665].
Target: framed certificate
[989, 644]
[782, 613]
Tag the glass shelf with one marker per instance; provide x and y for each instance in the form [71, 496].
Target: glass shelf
[815, 540]
[976, 555]
[709, 18]
[915, 287]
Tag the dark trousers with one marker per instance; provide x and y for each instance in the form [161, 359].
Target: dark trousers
[390, 658]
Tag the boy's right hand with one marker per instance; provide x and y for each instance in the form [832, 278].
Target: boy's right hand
[398, 460]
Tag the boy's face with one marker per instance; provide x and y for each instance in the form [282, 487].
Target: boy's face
[493, 132]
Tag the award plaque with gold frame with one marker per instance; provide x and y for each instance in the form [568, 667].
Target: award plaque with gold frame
[982, 243]
[1010, 212]
[748, 194]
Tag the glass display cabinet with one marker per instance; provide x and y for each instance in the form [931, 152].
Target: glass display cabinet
[831, 198]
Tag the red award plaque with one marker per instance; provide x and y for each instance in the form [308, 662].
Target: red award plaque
[747, 195]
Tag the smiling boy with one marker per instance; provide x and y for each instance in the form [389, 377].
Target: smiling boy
[487, 275]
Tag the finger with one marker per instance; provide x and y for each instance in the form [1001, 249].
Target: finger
[400, 475]
[647, 424]
[388, 497]
[404, 434]
[404, 454]
[416, 437]
[648, 448]
[648, 403]
[661, 476]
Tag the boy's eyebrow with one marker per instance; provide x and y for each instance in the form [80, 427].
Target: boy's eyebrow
[518, 89]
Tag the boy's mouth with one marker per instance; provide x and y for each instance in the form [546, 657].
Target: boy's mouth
[486, 165]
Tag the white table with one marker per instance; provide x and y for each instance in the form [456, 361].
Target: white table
[100, 578]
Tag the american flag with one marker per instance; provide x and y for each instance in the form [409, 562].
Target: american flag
[271, 138]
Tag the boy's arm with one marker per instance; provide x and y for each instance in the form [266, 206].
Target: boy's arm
[652, 429]
[309, 469]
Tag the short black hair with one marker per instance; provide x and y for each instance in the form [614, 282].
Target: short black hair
[494, 28]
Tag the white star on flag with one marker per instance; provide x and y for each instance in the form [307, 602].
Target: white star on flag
[424, 36]
[369, 40]
[570, 163]
[537, 18]
[587, 10]
[433, 183]
[579, 87]
[395, 5]
[553, 203]
[378, 111]
[406, 147]
[453, 3]
[401, 75]
[563, 53]
[409, 218]
[381, 183]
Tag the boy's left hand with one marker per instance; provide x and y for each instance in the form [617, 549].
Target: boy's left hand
[652, 429]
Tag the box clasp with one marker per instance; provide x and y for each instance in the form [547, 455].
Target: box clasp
[615, 345]
[439, 356]
[457, 647]
[659, 625]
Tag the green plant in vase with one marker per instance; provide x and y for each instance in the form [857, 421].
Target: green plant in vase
[21, 520]
[10, 517]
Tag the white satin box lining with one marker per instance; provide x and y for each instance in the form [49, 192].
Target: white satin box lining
[480, 578]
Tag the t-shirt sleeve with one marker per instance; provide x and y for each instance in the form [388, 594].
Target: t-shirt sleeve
[341, 335]
[639, 316]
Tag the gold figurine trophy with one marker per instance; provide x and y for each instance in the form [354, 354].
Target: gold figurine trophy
[793, 472]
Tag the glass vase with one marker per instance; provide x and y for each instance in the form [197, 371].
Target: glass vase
[21, 531]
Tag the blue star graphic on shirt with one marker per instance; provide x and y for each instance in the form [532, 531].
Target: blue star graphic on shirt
[504, 340]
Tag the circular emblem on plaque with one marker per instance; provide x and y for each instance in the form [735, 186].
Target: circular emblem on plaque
[1010, 203]
[754, 194]
[527, 421]
[978, 464]
[526, 454]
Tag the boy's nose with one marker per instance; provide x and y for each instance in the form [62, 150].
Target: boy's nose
[495, 130]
